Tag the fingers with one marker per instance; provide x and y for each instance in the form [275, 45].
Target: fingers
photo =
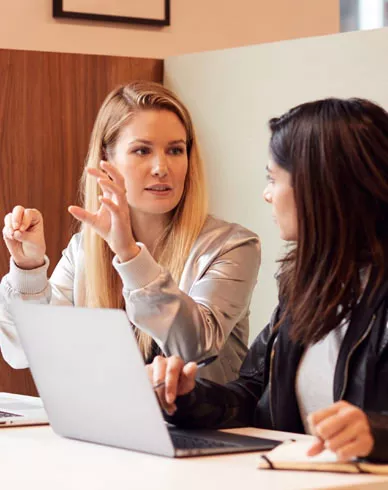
[359, 447]
[8, 229]
[173, 371]
[19, 221]
[31, 218]
[111, 183]
[113, 172]
[339, 438]
[17, 217]
[113, 207]
[316, 417]
[107, 168]
[178, 379]
[110, 188]
[158, 370]
[346, 416]
[334, 424]
[317, 447]
[344, 429]
[24, 237]
[82, 215]
[187, 378]
[158, 376]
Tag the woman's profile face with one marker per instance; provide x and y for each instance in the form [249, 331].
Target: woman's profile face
[280, 194]
[151, 155]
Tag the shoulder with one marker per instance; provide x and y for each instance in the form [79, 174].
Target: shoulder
[227, 235]
[225, 243]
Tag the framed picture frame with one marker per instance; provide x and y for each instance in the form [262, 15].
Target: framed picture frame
[145, 12]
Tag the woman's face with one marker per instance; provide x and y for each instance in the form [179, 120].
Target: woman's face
[151, 155]
[280, 194]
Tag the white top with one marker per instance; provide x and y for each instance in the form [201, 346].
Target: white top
[314, 383]
[315, 375]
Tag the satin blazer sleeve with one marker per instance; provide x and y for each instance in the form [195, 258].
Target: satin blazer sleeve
[197, 323]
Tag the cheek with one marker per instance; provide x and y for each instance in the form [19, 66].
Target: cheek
[134, 178]
[283, 205]
[286, 213]
[180, 173]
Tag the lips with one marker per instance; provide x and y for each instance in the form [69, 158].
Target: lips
[159, 188]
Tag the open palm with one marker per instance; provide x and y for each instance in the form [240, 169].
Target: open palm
[111, 221]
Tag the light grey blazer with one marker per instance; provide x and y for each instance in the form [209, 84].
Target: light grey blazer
[206, 314]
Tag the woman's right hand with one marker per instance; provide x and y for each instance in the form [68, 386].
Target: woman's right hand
[23, 234]
[179, 379]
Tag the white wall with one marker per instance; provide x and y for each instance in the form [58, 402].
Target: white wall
[233, 93]
[196, 25]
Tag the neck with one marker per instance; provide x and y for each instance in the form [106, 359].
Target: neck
[148, 228]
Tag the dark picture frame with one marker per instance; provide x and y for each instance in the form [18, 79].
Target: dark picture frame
[59, 12]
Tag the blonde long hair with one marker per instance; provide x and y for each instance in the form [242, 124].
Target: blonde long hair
[103, 287]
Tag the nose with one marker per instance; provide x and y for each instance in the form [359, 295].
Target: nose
[159, 166]
[267, 195]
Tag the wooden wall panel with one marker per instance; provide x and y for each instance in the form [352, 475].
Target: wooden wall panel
[48, 103]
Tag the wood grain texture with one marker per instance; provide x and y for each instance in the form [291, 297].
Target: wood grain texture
[48, 104]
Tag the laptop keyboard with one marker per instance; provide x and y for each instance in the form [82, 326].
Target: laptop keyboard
[191, 442]
[4, 415]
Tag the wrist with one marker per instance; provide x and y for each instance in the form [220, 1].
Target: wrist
[29, 264]
[128, 254]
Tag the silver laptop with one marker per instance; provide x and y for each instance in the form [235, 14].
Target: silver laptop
[91, 377]
[21, 410]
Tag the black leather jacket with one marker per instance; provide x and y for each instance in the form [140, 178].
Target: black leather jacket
[264, 394]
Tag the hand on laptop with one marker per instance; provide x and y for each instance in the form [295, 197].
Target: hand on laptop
[23, 234]
[179, 379]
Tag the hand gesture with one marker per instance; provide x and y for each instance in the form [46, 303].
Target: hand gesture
[112, 220]
[23, 234]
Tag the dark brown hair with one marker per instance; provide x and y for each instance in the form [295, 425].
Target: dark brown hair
[337, 153]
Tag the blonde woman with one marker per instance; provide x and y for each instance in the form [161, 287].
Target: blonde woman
[146, 243]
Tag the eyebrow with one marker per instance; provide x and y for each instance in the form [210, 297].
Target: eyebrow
[268, 169]
[148, 142]
[175, 142]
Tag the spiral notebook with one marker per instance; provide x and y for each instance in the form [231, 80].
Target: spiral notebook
[292, 455]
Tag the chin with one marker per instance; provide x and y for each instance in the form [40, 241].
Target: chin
[159, 208]
[287, 236]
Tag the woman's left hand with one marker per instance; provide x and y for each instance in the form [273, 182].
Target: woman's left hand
[112, 220]
[344, 429]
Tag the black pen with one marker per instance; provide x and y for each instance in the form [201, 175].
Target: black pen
[200, 365]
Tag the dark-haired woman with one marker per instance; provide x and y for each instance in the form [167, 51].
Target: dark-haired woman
[321, 364]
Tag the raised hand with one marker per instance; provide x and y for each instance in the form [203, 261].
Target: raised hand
[111, 221]
[23, 234]
[344, 429]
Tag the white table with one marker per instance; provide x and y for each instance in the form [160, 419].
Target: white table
[36, 458]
